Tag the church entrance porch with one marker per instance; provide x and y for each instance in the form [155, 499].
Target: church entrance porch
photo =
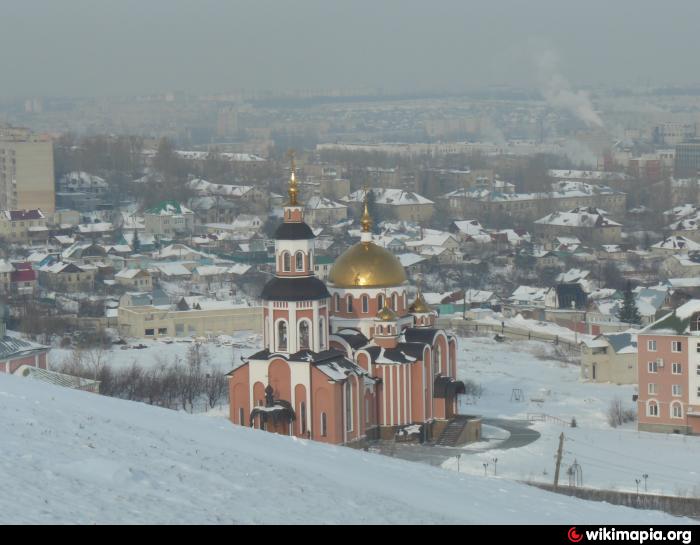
[276, 416]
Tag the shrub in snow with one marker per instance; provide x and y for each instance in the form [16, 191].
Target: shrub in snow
[618, 415]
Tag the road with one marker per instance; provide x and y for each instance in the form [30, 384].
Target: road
[520, 436]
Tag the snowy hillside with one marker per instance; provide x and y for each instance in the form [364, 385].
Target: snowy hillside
[68, 456]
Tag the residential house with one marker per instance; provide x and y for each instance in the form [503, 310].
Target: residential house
[610, 357]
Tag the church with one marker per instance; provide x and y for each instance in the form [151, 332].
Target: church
[347, 360]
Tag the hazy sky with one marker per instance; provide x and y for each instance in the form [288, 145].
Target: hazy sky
[120, 47]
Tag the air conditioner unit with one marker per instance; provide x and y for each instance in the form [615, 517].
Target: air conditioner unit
[660, 362]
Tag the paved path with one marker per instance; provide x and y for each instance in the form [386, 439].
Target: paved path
[520, 435]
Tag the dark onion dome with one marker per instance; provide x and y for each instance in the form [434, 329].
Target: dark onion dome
[304, 288]
[294, 231]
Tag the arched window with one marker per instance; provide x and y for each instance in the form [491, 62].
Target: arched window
[394, 302]
[380, 301]
[324, 425]
[282, 336]
[676, 410]
[349, 303]
[321, 332]
[348, 405]
[286, 262]
[337, 302]
[380, 328]
[652, 408]
[304, 341]
[300, 261]
[365, 304]
[437, 355]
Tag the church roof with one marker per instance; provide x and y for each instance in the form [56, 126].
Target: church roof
[354, 338]
[403, 353]
[332, 363]
[305, 288]
[420, 335]
[294, 231]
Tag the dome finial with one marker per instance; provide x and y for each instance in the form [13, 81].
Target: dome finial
[366, 220]
[293, 188]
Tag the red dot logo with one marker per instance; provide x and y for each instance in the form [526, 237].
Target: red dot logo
[573, 535]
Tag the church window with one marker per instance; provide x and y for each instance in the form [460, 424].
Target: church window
[380, 301]
[337, 302]
[304, 335]
[287, 262]
[380, 329]
[365, 304]
[282, 336]
[349, 303]
[348, 406]
[324, 425]
[300, 261]
[437, 359]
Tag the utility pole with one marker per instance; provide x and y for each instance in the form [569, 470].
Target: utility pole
[559, 454]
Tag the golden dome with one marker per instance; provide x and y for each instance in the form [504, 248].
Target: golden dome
[386, 314]
[419, 305]
[366, 265]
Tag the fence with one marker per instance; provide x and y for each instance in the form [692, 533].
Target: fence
[466, 327]
[675, 505]
[542, 417]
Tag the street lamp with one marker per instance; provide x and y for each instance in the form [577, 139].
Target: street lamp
[486, 465]
[495, 461]
[458, 457]
[645, 477]
[637, 481]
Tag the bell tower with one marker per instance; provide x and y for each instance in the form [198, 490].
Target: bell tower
[295, 301]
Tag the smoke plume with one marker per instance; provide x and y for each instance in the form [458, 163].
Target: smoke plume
[557, 91]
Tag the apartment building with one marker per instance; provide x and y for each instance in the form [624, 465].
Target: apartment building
[26, 170]
[668, 368]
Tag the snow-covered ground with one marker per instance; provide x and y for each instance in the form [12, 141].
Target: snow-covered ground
[70, 456]
[222, 355]
[610, 458]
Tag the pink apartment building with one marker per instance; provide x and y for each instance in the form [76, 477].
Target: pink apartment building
[669, 372]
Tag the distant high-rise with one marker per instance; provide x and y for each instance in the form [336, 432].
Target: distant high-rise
[687, 162]
[26, 170]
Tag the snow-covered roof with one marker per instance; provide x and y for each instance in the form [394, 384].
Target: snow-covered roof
[588, 216]
[529, 294]
[595, 175]
[394, 197]
[409, 259]
[102, 227]
[677, 242]
[573, 275]
[472, 228]
[169, 208]
[6, 266]
[323, 203]
[129, 274]
[204, 187]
